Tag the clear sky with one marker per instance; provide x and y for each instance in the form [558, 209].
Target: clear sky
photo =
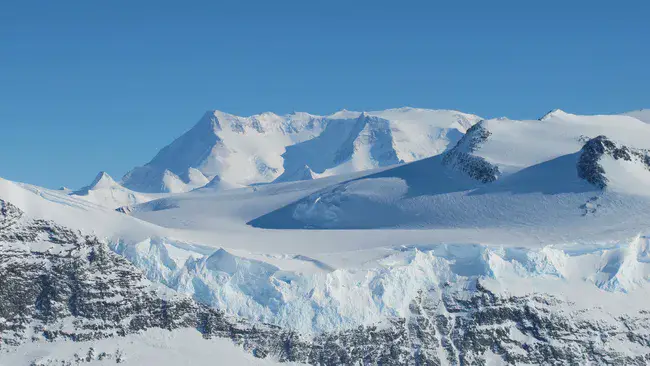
[102, 85]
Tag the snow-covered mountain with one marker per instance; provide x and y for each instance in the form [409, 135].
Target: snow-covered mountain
[545, 170]
[374, 139]
[106, 192]
[258, 149]
[509, 242]
[239, 150]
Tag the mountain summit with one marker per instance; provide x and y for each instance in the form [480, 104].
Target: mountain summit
[101, 181]
[105, 191]
[241, 150]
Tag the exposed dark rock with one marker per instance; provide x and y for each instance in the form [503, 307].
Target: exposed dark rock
[589, 167]
[124, 209]
[461, 156]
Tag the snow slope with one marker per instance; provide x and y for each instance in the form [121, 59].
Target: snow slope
[152, 347]
[514, 145]
[527, 202]
[265, 147]
[77, 213]
[640, 114]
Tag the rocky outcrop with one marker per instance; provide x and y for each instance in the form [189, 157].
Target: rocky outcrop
[56, 283]
[461, 157]
[589, 167]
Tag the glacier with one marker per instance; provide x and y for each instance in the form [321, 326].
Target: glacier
[382, 289]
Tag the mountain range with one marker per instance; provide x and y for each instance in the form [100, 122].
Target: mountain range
[404, 236]
[240, 151]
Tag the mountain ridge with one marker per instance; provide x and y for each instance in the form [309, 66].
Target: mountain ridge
[250, 150]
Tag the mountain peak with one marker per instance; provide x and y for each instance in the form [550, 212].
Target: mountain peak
[218, 184]
[209, 122]
[553, 113]
[267, 114]
[344, 114]
[102, 180]
[303, 172]
[590, 165]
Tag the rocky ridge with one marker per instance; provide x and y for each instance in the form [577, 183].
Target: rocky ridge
[460, 156]
[589, 167]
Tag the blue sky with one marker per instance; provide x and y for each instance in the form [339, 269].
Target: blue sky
[88, 86]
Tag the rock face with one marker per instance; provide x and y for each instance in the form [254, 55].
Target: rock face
[461, 156]
[56, 283]
[589, 167]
